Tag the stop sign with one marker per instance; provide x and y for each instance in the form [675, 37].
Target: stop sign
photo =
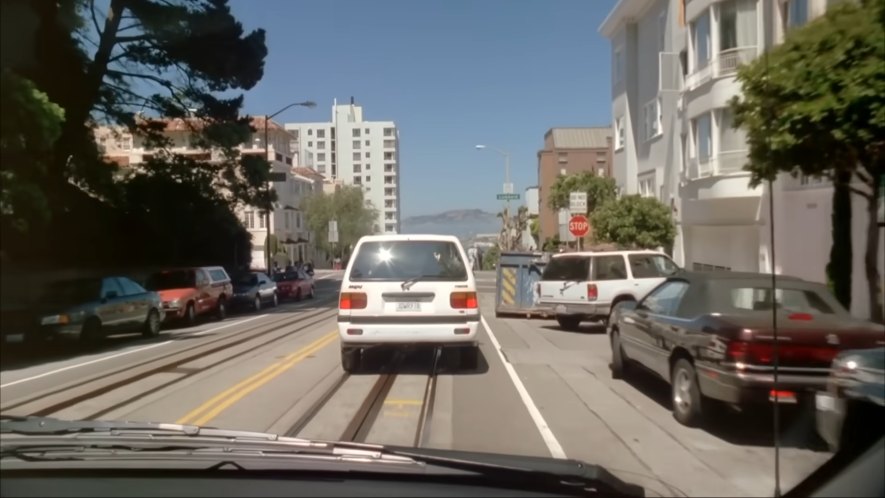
[578, 225]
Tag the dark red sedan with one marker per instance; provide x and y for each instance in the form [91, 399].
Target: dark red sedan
[294, 284]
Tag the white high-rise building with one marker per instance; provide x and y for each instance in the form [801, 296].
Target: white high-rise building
[353, 151]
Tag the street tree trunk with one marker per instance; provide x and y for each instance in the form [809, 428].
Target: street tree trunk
[871, 258]
[839, 268]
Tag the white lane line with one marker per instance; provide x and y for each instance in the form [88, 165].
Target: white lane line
[546, 433]
[230, 324]
[97, 360]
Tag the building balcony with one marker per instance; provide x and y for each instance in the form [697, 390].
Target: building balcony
[724, 65]
[723, 164]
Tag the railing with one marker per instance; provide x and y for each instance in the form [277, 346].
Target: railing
[725, 64]
[725, 163]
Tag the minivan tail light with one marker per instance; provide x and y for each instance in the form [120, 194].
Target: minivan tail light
[353, 301]
[463, 300]
[592, 292]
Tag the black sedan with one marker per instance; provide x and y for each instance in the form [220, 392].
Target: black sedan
[709, 334]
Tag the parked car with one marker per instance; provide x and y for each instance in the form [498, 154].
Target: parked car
[850, 412]
[295, 284]
[584, 286]
[709, 334]
[190, 292]
[408, 290]
[254, 289]
[93, 308]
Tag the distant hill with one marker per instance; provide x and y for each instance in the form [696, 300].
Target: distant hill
[462, 223]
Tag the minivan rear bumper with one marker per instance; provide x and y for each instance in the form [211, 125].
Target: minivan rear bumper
[435, 330]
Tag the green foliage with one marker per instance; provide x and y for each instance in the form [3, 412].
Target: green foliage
[490, 257]
[31, 123]
[600, 190]
[814, 103]
[348, 207]
[839, 268]
[535, 227]
[634, 221]
[551, 244]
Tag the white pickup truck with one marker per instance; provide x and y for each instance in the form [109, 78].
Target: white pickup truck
[585, 286]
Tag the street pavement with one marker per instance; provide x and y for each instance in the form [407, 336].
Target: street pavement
[538, 390]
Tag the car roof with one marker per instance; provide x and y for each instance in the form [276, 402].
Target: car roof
[407, 237]
[699, 276]
[605, 253]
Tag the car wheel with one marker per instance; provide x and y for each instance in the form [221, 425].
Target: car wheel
[350, 359]
[221, 309]
[152, 324]
[568, 322]
[256, 303]
[686, 395]
[608, 319]
[469, 358]
[275, 301]
[92, 332]
[298, 294]
[619, 359]
[190, 314]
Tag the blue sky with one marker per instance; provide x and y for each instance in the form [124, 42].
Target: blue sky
[450, 73]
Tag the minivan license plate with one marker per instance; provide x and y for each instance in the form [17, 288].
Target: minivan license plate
[408, 306]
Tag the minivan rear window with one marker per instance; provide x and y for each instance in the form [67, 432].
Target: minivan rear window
[567, 268]
[405, 259]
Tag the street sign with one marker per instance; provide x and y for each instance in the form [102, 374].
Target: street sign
[577, 202]
[508, 197]
[333, 236]
[578, 225]
[508, 188]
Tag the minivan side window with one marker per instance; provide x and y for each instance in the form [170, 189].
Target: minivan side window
[569, 268]
[202, 278]
[651, 265]
[609, 268]
[218, 275]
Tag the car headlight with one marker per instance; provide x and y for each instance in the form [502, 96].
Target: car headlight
[173, 303]
[61, 319]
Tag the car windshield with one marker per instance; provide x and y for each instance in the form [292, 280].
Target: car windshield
[795, 300]
[403, 260]
[286, 276]
[175, 279]
[246, 280]
[74, 291]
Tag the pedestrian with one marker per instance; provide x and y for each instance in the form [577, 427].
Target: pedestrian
[479, 258]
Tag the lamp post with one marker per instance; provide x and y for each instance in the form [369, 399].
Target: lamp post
[269, 207]
[507, 187]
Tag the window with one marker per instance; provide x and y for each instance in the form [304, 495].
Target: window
[730, 138]
[249, 219]
[563, 171]
[261, 220]
[368, 179]
[388, 156]
[703, 138]
[652, 119]
[737, 24]
[567, 268]
[662, 30]
[390, 191]
[791, 300]
[356, 144]
[619, 133]
[796, 13]
[400, 260]
[389, 167]
[389, 216]
[367, 131]
[286, 218]
[310, 144]
[388, 204]
[356, 132]
[665, 299]
[357, 180]
[357, 168]
[366, 143]
[389, 180]
[647, 186]
[609, 268]
[651, 265]
[309, 131]
[356, 156]
[278, 156]
[321, 145]
[618, 62]
[218, 275]
[321, 156]
[110, 288]
[368, 166]
[388, 132]
[367, 153]
[600, 171]
[389, 144]
[390, 227]
[130, 288]
[321, 133]
[700, 30]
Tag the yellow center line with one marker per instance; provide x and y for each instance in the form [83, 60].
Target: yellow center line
[211, 408]
[411, 402]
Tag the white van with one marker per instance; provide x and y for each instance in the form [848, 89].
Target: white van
[408, 290]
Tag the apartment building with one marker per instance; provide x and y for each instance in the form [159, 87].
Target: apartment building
[567, 151]
[349, 150]
[673, 74]
[291, 181]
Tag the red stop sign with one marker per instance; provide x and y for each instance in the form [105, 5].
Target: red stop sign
[578, 225]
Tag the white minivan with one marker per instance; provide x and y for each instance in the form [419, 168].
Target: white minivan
[408, 290]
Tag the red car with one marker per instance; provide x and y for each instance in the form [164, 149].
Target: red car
[294, 284]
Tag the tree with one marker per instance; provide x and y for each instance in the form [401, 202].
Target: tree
[839, 268]
[634, 221]
[814, 105]
[600, 190]
[355, 217]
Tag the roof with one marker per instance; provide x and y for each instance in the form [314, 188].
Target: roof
[732, 275]
[308, 172]
[624, 10]
[189, 124]
[399, 237]
[581, 138]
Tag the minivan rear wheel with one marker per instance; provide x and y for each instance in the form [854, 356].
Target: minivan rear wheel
[351, 359]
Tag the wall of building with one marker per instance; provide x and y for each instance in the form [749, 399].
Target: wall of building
[550, 168]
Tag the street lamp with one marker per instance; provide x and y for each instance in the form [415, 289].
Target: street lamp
[508, 187]
[309, 104]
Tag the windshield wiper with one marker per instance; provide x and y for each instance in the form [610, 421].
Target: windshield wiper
[407, 284]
